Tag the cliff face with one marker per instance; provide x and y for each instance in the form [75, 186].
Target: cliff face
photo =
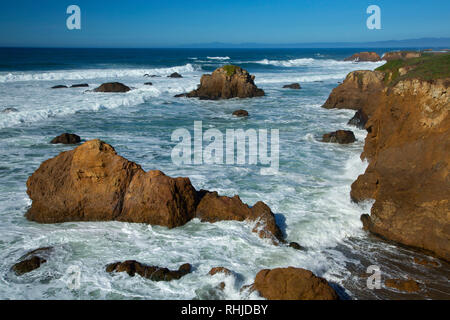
[408, 149]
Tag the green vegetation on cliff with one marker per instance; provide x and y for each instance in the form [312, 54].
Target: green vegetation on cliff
[230, 69]
[429, 66]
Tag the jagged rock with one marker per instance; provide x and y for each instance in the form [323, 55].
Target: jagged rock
[175, 75]
[213, 208]
[359, 119]
[292, 284]
[66, 138]
[409, 286]
[225, 83]
[292, 86]
[340, 136]
[149, 272]
[364, 56]
[240, 113]
[112, 87]
[81, 85]
[59, 87]
[31, 261]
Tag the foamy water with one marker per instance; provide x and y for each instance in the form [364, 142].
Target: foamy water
[309, 195]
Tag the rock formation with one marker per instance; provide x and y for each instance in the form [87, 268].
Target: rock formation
[112, 87]
[364, 56]
[240, 113]
[9, 110]
[149, 272]
[409, 286]
[408, 150]
[403, 55]
[217, 270]
[59, 87]
[175, 75]
[81, 85]
[31, 261]
[225, 83]
[340, 136]
[66, 138]
[93, 183]
[292, 284]
[292, 86]
[359, 120]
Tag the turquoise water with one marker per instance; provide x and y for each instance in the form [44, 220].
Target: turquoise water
[309, 195]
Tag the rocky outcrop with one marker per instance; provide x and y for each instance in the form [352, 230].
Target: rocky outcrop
[31, 261]
[340, 136]
[66, 138]
[80, 85]
[240, 113]
[225, 83]
[359, 120]
[359, 91]
[403, 55]
[213, 208]
[112, 87]
[292, 284]
[59, 87]
[153, 273]
[364, 56]
[409, 286]
[175, 75]
[93, 183]
[292, 86]
[217, 270]
[408, 174]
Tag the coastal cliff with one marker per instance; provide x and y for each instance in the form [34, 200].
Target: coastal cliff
[407, 147]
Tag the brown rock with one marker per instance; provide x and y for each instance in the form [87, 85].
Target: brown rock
[340, 136]
[112, 87]
[292, 284]
[359, 120]
[296, 246]
[149, 272]
[359, 91]
[213, 208]
[217, 270]
[240, 113]
[425, 262]
[225, 83]
[292, 86]
[403, 55]
[66, 138]
[364, 56]
[31, 261]
[409, 286]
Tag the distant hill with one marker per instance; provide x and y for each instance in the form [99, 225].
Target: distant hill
[423, 43]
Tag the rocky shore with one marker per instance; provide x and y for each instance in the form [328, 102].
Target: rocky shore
[407, 103]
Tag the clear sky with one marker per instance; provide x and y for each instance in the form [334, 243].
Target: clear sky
[156, 23]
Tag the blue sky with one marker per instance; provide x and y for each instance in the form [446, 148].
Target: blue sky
[151, 23]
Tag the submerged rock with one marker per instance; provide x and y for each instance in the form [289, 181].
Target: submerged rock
[59, 87]
[148, 84]
[340, 136]
[409, 286]
[225, 83]
[359, 120]
[240, 113]
[292, 86]
[9, 110]
[292, 284]
[175, 75]
[364, 56]
[66, 138]
[112, 87]
[153, 273]
[81, 85]
[31, 261]
[217, 270]
[296, 246]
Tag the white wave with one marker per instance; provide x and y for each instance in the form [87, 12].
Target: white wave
[317, 62]
[269, 78]
[92, 74]
[219, 58]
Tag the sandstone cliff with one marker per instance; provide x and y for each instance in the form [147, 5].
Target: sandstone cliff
[408, 149]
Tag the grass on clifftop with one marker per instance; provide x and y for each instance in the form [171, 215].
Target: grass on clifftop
[427, 67]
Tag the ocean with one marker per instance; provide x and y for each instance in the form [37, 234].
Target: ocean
[310, 194]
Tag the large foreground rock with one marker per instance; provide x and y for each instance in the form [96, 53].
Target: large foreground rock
[364, 56]
[93, 183]
[292, 284]
[112, 87]
[225, 83]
